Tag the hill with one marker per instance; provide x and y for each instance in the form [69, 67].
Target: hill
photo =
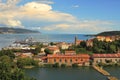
[4, 30]
[109, 33]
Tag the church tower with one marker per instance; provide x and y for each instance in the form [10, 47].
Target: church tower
[75, 40]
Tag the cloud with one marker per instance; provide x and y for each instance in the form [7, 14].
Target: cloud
[33, 11]
[45, 1]
[44, 12]
[8, 4]
[75, 6]
[85, 26]
[56, 27]
[41, 12]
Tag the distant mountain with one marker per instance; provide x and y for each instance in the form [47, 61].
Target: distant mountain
[109, 33]
[6, 30]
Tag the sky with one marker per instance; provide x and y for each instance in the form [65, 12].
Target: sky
[61, 16]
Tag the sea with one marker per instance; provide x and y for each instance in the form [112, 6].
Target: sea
[81, 73]
[7, 39]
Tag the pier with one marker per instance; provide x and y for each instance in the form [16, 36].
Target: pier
[102, 71]
[105, 73]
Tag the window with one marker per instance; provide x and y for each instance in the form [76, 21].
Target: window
[76, 60]
[65, 61]
[60, 60]
[81, 59]
[71, 60]
[54, 60]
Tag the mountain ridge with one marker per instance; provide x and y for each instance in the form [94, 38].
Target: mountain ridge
[108, 33]
[6, 30]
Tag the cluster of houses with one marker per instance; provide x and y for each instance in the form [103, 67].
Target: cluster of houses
[69, 57]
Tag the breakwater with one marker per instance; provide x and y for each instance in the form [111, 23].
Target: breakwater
[105, 73]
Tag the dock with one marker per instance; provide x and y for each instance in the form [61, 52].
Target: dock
[105, 73]
[102, 71]
[112, 78]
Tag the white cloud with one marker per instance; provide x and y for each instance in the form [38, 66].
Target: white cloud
[39, 11]
[75, 6]
[14, 23]
[8, 4]
[43, 12]
[81, 27]
[45, 1]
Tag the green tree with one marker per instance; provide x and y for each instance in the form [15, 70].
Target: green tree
[47, 51]
[83, 44]
[8, 53]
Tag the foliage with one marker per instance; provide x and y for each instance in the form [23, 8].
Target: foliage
[98, 47]
[38, 48]
[109, 33]
[47, 51]
[52, 43]
[7, 53]
[48, 65]
[21, 62]
[9, 70]
[56, 65]
[74, 65]
[63, 65]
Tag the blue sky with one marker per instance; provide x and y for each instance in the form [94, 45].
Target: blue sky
[61, 16]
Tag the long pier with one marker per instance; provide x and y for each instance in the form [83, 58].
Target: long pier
[105, 73]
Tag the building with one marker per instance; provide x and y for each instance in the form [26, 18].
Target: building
[24, 55]
[100, 38]
[104, 38]
[81, 59]
[70, 52]
[89, 42]
[54, 49]
[106, 58]
[77, 42]
[63, 45]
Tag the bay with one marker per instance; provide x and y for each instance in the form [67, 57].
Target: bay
[7, 39]
[82, 73]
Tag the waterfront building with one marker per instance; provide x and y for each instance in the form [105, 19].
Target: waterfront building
[70, 52]
[106, 58]
[80, 59]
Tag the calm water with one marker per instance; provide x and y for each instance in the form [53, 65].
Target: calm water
[85, 73]
[7, 39]
[114, 71]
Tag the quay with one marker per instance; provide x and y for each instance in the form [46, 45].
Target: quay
[102, 71]
[112, 78]
[105, 73]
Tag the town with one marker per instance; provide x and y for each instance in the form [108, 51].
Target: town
[78, 53]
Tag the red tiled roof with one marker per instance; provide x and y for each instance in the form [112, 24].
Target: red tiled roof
[53, 48]
[63, 55]
[106, 55]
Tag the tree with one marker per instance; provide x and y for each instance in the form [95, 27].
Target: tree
[8, 53]
[56, 65]
[52, 43]
[21, 62]
[83, 44]
[47, 51]
[112, 48]
[9, 69]
[37, 50]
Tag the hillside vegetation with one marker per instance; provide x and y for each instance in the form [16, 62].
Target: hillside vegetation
[109, 33]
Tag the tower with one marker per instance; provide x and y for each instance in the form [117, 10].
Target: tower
[75, 40]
